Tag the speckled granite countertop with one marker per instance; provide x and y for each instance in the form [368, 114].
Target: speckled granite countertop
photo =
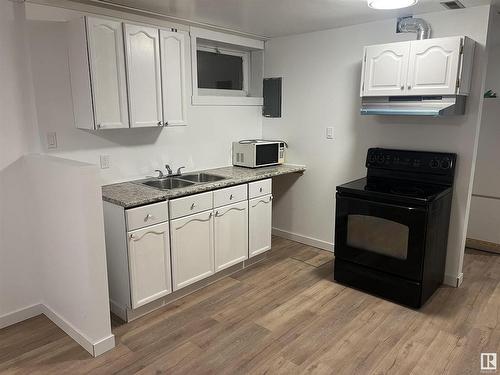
[131, 194]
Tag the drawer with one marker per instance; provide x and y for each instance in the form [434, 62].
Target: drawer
[146, 215]
[259, 188]
[230, 195]
[191, 204]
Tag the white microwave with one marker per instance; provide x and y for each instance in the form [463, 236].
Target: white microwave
[258, 153]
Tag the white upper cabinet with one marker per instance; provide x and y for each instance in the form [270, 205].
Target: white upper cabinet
[433, 68]
[142, 50]
[107, 70]
[97, 70]
[149, 264]
[440, 66]
[385, 69]
[173, 66]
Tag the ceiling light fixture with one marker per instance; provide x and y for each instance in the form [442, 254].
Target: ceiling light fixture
[391, 4]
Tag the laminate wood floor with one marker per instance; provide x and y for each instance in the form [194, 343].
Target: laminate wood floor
[284, 316]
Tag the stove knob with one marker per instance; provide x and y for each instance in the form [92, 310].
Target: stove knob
[372, 158]
[380, 158]
[434, 164]
[445, 163]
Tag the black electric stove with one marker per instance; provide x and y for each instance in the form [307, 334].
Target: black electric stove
[391, 227]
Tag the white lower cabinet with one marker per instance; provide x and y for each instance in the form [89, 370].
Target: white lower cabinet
[192, 248]
[259, 224]
[231, 235]
[149, 264]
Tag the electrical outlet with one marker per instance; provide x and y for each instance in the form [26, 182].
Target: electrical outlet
[329, 132]
[105, 161]
[51, 140]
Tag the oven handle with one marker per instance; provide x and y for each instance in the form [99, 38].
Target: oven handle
[411, 209]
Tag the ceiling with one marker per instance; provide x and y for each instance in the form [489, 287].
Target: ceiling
[272, 18]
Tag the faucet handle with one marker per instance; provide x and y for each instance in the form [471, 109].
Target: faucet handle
[169, 170]
[160, 173]
[179, 170]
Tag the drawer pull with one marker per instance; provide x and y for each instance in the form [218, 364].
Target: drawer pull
[231, 197]
[148, 217]
[193, 206]
[260, 190]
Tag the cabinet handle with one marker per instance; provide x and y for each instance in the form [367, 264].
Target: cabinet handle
[216, 213]
[263, 201]
[402, 87]
[148, 216]
[260, 190]
[409, 87]
[165, 123]
[231, 197]
[160, 123]
[98, 126]
[132, 236]
[193, 206]
[210, 215]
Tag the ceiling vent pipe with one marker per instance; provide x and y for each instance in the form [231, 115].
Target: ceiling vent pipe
[415, 25]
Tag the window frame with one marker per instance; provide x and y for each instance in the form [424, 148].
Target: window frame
[245, 55]
[249, 48]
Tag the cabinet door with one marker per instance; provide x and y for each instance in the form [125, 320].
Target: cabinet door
[433, 66]
[192, 248]
[259, 225]
[107, 73]
[142, 49]
[385, 69]
[231, 235]
[149, 264]
[173, 65]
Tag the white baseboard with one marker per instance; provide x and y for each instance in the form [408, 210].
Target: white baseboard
[20, 315]
[94, 348]
[303, 239]
[454, 281]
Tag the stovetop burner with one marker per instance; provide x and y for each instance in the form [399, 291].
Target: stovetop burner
[410, 191]
[393, 188]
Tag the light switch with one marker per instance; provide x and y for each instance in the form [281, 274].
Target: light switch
[105, 161]
[329, 133]
[51, 140]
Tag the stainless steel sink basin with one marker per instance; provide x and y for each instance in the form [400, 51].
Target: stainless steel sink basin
[202, 177]
[168, 183]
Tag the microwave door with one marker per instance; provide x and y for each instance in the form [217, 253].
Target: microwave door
[266, 154]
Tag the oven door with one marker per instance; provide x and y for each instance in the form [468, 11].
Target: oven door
[387, 237]
[266, 154]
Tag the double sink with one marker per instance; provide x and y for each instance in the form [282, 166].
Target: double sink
[181, 181]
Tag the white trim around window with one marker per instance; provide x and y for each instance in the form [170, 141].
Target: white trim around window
[242, 47]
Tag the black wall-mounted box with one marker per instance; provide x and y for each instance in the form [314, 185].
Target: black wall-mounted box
[272, 97]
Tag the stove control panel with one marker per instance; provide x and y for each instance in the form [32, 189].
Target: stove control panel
[411, 161]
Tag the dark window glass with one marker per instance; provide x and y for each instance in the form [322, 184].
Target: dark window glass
[219, 71]
[266, 154]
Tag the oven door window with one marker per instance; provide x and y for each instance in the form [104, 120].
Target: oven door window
[378, 235]
[266, 153]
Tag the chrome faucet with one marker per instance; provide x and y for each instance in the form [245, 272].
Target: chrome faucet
[170, 173]
[169, 170]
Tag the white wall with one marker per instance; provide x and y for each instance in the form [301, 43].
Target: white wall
[69, 228]
[321, 78]
[135, 153]
[484, 222]
[18, 276]
[52, 255]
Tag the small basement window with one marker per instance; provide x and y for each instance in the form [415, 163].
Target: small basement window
[227, 69]
[221, 71]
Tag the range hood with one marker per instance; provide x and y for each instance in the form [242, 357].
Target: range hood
[414, 105]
